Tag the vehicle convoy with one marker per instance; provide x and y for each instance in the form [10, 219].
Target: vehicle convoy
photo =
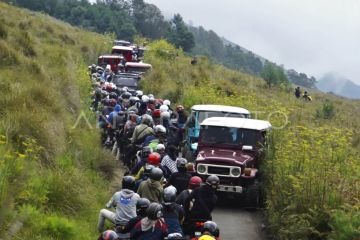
[110, 59]
[137, 67]
[126, 52]
[232, 149]
[200, 113]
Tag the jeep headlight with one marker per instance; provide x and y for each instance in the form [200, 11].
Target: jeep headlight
[201, 169]
[235, 172]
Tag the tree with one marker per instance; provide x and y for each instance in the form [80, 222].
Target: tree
[179, 35]
[274, 75]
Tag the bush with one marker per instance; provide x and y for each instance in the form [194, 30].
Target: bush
[58, 228]
[327, 111]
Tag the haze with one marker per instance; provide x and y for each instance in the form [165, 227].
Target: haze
[311, 36]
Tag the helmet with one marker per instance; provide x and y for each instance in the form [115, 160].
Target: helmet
[133, 100]
[141, 206]
[151, 99]
[151, 95]
[146, 119]
[154, 159]
[160, 129]
[125, 89]
[145, 152]
[181, 163]
[195, 182]
[120, 66]
[128, 182]
[213, 181]
[109, 235]
[156, 113]
[156, 174]
[211, 227]
[145, 99]
[164, 108]
[167, 102]
[154, 211]
[147, 169]
[160, 147]
[170, 194]
[179, 108]
[139, 93]
[113, 95]
[165, 115]
[126, 95]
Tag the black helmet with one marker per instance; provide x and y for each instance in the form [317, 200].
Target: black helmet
[169, 194]
[109, 235]
[210, 227]
[128, 182]
[113, 95]
[126, 95]
[141, 206]
[156, 174]
[145, 152]
[154, 211]
[181, 164]
[213, 181]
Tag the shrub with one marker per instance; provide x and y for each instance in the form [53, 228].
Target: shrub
[327, 111]
[58, 227]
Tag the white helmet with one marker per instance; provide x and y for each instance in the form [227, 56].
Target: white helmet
[145, 99]
[139, 93]
[165, 115]
[160, 147]
[160, 129]
[164, 108]
[167, 102]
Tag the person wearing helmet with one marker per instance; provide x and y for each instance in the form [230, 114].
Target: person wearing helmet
[160, 149]
[210, 230]
[194, 182]
[141, 207]
[152, 188]
[203, 200]
[139, 94]
[109, 235]
[143, 104]
[124, 202]
[153, 159]
[159, 137]
[143, 130]
[169, 160]
[180, 179]
[143, 159]
[156, 113]
[152, 227]
[117, 109]
[173, 213]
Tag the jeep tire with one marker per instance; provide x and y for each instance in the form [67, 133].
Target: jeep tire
[252, 196]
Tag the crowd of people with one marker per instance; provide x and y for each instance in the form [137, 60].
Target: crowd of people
[161, 195]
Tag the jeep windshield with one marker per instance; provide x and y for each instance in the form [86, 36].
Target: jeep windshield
[208, 114]
[228, 136]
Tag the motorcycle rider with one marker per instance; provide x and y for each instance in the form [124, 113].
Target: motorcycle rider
[141, 207]
[173, 212]
[159, 137]
[143, 130]
[194, 182]
[169, 160]
[152, 188]
[125, 203]
[203, 201]
[180, 179]
[152, 227]
[210, 231]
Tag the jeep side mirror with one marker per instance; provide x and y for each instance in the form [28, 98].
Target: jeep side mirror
[247, 148]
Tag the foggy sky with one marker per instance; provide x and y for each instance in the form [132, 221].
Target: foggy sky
[311, 36]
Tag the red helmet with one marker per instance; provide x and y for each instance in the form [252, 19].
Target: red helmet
[154, 158]
[194, 182]
[156, 113]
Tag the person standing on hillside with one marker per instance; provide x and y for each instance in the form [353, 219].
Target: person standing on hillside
[297, 92]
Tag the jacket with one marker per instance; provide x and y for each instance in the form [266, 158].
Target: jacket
[125, 204]
[152, 190]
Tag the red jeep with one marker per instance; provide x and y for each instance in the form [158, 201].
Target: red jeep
[232, 149]
[126, 52]
[110, 59]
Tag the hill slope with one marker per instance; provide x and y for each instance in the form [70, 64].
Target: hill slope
[50, 168]
[332, 82]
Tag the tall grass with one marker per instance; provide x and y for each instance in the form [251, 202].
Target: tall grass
[52, 176]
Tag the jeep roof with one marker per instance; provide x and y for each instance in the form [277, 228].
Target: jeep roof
[230, 122]
[122, 48]
[111, 56]
[138, 64]
[220, 108]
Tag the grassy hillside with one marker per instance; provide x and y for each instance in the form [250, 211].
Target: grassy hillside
[312, 171]
[51, 171]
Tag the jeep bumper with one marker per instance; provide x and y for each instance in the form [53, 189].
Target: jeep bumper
[231, 189]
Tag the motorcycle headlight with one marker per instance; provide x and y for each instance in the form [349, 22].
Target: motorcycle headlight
[236, 172]
[201, 169]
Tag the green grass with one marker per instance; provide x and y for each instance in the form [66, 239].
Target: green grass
[53, 178]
